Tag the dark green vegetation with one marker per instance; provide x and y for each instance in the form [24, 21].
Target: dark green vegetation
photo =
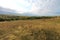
[45, 28]
[12, 18]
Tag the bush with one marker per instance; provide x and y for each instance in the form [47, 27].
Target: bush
[11, 18]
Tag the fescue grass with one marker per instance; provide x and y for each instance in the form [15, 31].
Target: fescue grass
[37, 29]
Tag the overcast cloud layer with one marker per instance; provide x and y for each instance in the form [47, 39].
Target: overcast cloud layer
[38, 7]
[46, 7]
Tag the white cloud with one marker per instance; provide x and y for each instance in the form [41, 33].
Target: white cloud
[43, 7]
[35, 6]
[19, 5]
[7, 4]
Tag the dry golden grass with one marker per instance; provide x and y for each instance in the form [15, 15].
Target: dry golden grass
[41, 29]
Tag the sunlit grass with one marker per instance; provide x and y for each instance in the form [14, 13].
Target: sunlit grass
[38, 29]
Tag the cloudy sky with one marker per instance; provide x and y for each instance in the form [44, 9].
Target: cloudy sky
[38, 7]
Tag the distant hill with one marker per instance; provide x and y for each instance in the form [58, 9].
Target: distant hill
[29, 14]
[6, 11]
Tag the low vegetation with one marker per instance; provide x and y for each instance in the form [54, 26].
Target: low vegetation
[45, 28]
[12, 18]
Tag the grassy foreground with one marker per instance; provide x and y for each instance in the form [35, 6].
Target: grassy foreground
[38, 29]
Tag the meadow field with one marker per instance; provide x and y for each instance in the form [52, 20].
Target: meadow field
[36, 29]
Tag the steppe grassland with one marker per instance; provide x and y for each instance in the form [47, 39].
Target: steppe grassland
[38, 29]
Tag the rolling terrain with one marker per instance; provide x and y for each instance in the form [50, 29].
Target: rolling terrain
[37, 29]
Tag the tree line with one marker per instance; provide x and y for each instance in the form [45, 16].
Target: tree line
[10, 18]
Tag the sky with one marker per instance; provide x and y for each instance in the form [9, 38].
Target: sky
[38, 7]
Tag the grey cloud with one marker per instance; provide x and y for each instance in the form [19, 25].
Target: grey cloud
[48, 7]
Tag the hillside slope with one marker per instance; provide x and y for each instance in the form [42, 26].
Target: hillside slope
[41, 29]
